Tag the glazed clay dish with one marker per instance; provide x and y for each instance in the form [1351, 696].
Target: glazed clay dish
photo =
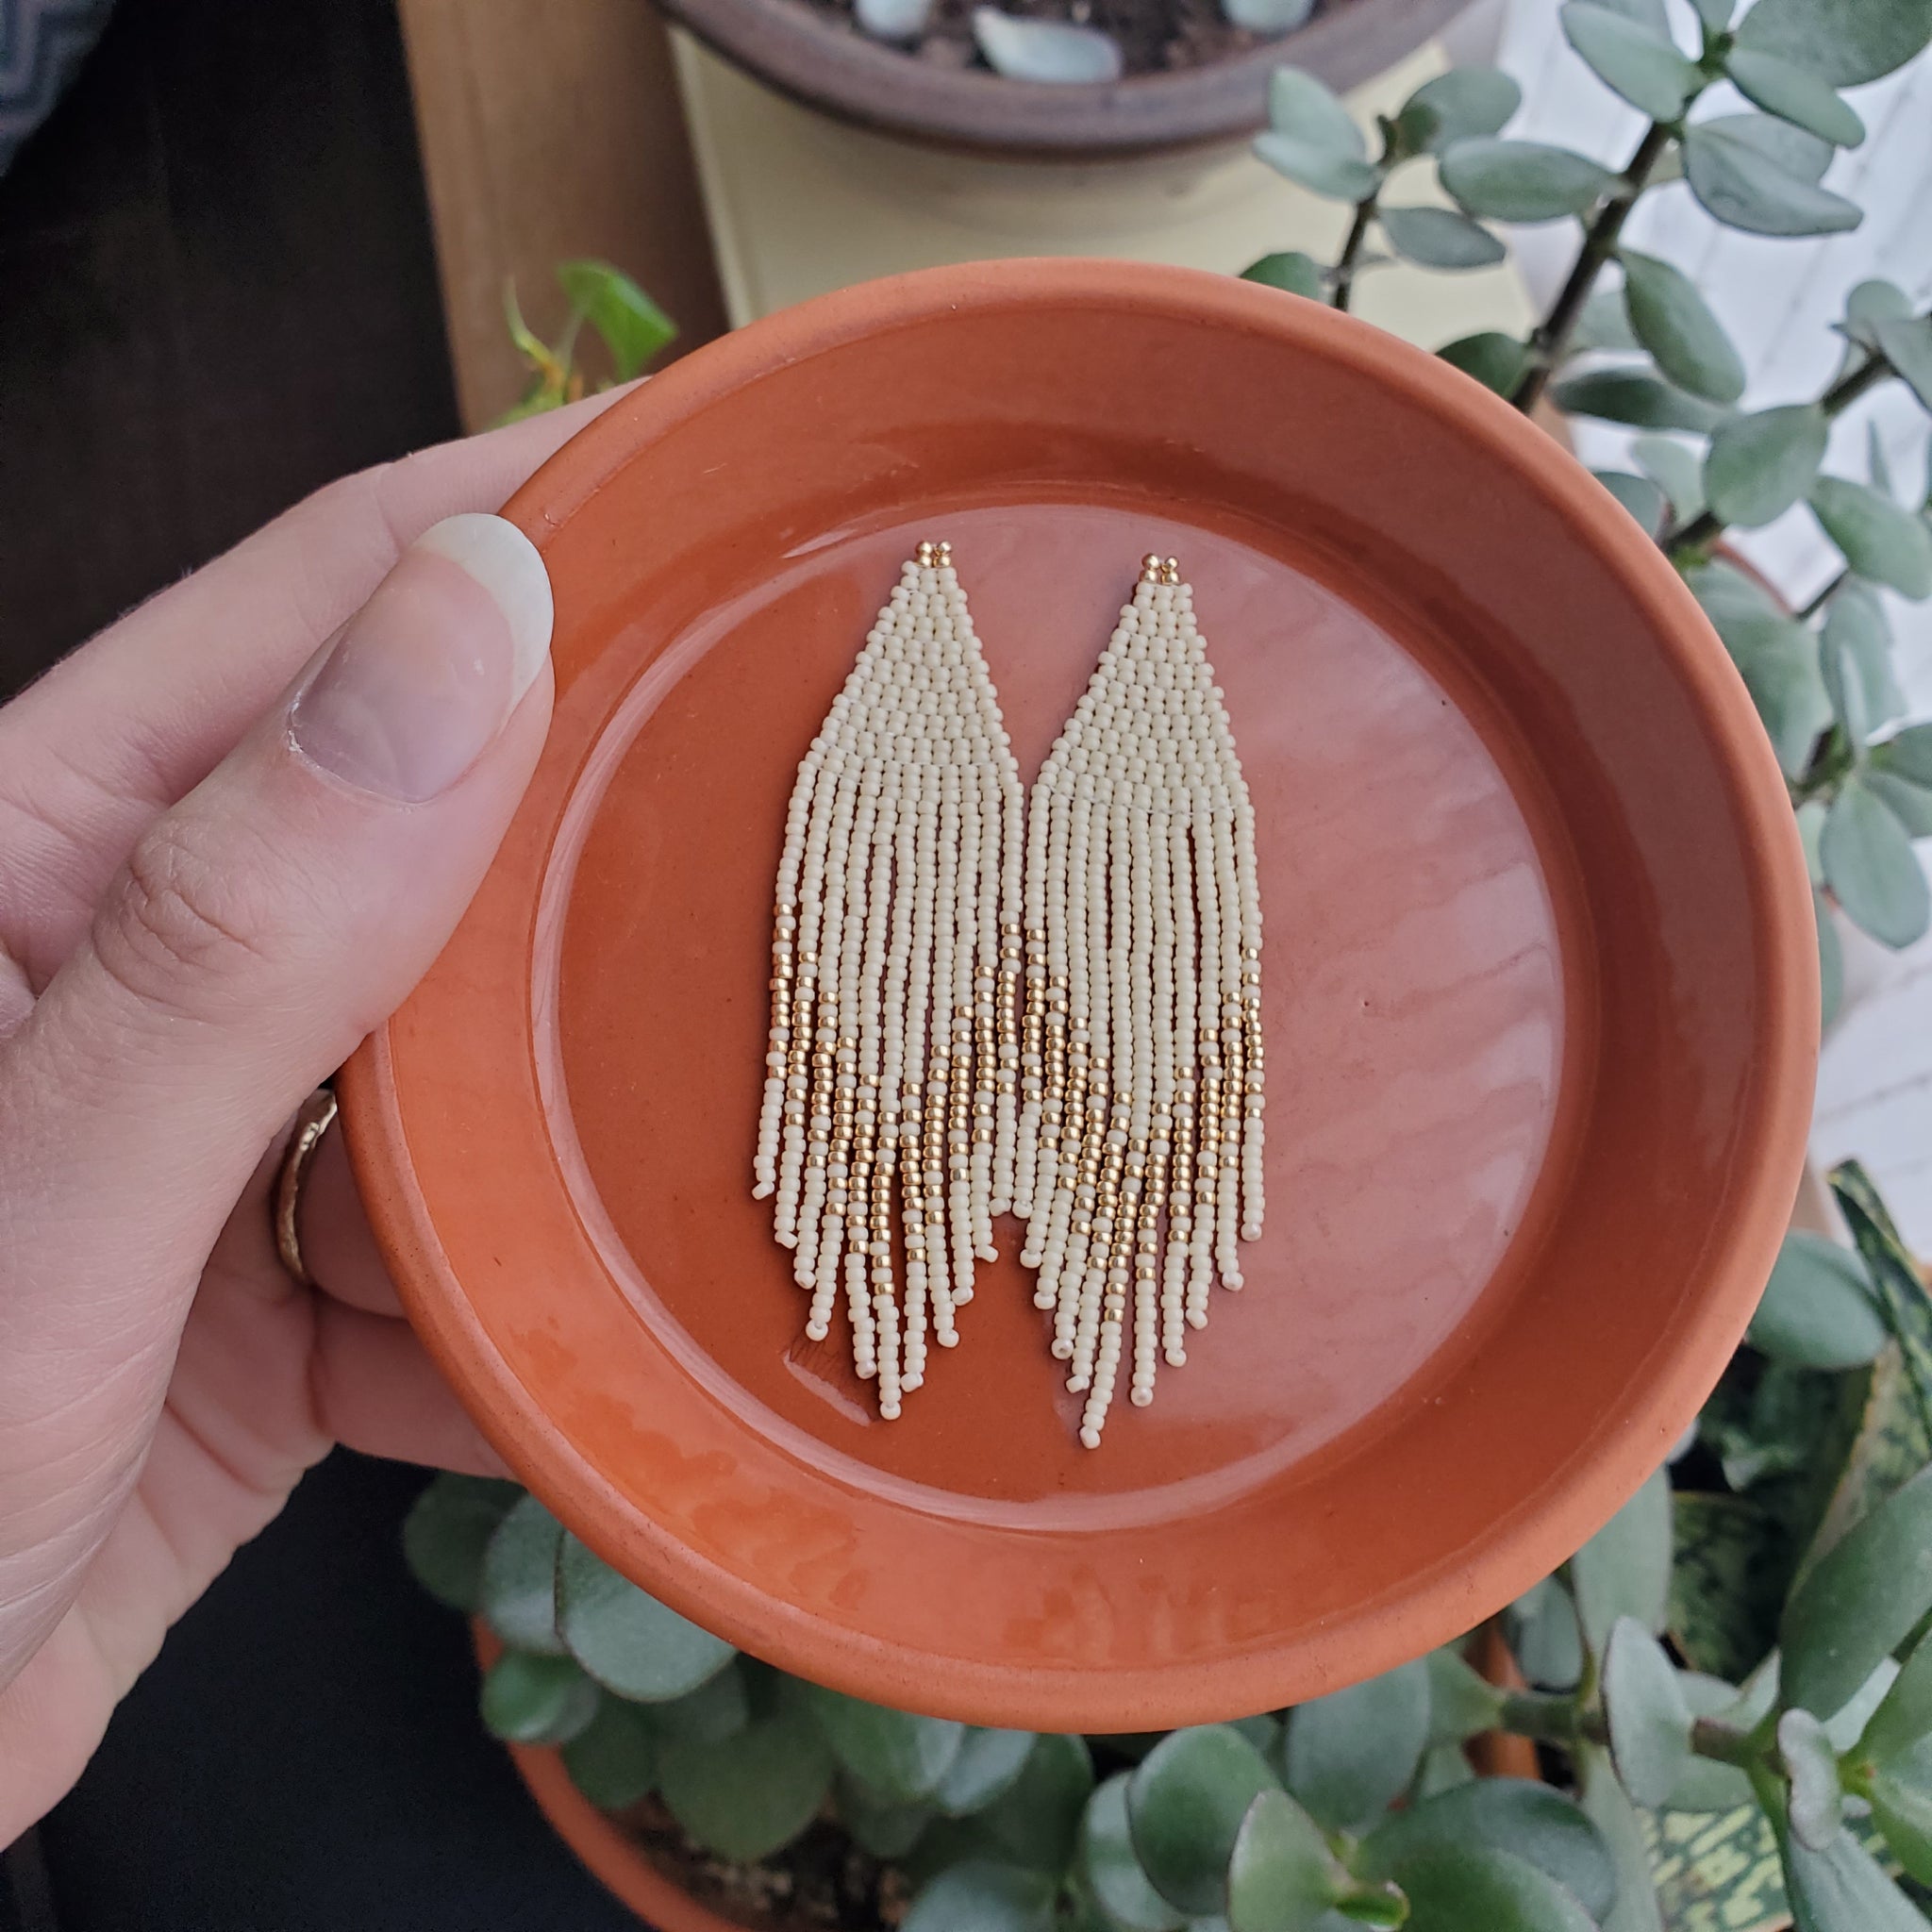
[1541, 1005]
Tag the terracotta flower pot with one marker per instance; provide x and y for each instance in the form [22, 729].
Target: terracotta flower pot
[826, 64]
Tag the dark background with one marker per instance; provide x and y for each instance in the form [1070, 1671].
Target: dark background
[217, 291]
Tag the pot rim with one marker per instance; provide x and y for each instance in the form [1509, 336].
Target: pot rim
[825, 65]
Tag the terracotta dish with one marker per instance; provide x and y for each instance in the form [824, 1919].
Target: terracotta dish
[1542, 1005]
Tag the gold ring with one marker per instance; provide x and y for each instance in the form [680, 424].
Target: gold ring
[312, 1124]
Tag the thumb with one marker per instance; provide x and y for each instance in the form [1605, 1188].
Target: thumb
[259, 930]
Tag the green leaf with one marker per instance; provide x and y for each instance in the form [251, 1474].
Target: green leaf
[1860, 1602]
[1676, 471]
[1871, 867]
[1298, 274]
[1842, 1890]
[1496, 360]
[1789, 149]
[1881, 542]
[1440, 238]
[1704, 1785]
[1467, 101]
[1313, 139]
[1184, 1807]
[628, 1641]
[719, 1708]
[1895, 1276]
[1281, 1876]
[1674, 323]
[1714, 15]
[1759, 465]
[1816, 1806]
[1907, 346]
[1456, 1889]
[1461, 1704]
[1777, 657]
[633, 327]
[1903, 1721]
[896, 1755]
[1048, 53]
[985, 1767]
[446, 1531]
[1741, 188]
[1639, 495]
[1531, 1822]
[1729, 597]
[1637, 397]
[1794, 94]
[1649, 1721]
[613, 1761]
[1848, 1725]
[530, 1699]
[1607, 1807]
[1870, 303]
[1351, 1754]
[1522, 180]
[1640, 62]
[1624, 1569]
[1858, 636]
[748, 1795]
[1734, 1562]
[981, 1896]
[1844, 41]
[519, 1591]
[1123, 1889]
[877, 1825]
[1817, 1312]
[1811, 820]
[1649, 14]
[1036, 1820]
[1603, 325]
[1878, 471]
[1444, 1768]
[1907, 755]
[1902, 1808]
[1543, 1636]
[1320, 170]
[1909, 803]
[1831, 961]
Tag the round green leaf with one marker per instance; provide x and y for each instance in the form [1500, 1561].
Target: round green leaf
[1050, 53]
[1184, 1807]
[1795, 95]
[1817, 1312]
[1544, 1637]
[1859, 1601]
[1674, 322]
[1714, 15]
[1759, 465]
[1831, 961]
[1743, 189]
[1777, 657]
[1878, 470]
[1639, 495]
[1787, 148]
[1351, 1754]
[1871, 867]
[1298, 274]
[614, 1761]
[1857, 639]
[1522, 180]
[719, 1708]
[1462, 1704]
[1637, 397]
[1496, 360]
[1036, 1820]
[980, 1896]
[885, 1829]
[1842, 1888]
[746, 1796]
[1909, 803]
[1467, 101]
[985, 1767]
[1529, 1821]
[1603, 325]
[1300, 105]
[1881, 542]
[518, 1589]
[1842, 42]
[1640, 62]
[1320, 170]
[1810, 820]
[1624, 1569]
[1281, 1876]
[1907, 346]
[1816, 1808]
[1902, 1807]
[1675, 470]
[1903, 1721]
[1608, 1808]
[1649, 1721]
[1907, 755]
[1444, 1768]
[628, 1641]
[529, 1699]
[1455, 1889]
[1440, 238]
[447, 1530]
[1123, 1891]
[897, 1755]
[1267, 16]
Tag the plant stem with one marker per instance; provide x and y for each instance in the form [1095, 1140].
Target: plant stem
[1547, 344]
[1351, 249]
[1549, 1717]
[1823, 598]
[1727, 1745]
[1705, 529]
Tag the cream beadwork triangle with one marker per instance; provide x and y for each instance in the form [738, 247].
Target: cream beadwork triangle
[1122, 1120]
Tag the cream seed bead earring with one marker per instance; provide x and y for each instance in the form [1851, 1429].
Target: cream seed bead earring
[893, 1053]
[1139, 1164]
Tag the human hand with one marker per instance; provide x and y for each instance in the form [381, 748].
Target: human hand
[227, 853]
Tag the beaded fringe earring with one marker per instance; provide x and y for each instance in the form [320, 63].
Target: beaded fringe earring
[1140, 1055]
[893, 1053]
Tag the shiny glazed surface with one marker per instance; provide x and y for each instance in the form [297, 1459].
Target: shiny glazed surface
[1541, 1005]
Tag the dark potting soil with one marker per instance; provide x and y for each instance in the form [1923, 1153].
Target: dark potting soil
[1154, 36]
[821, 1882]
